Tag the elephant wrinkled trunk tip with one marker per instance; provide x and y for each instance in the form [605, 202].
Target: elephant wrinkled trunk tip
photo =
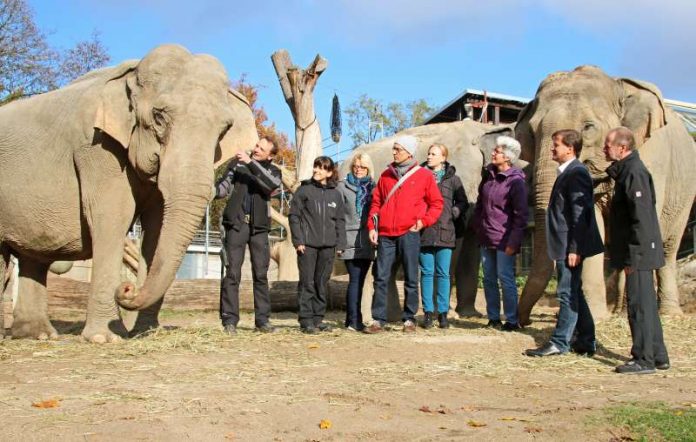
[127, 296]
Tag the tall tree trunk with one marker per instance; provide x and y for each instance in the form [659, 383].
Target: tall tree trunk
[298, 89]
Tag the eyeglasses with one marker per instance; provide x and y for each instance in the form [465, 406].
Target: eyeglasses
[355, 166]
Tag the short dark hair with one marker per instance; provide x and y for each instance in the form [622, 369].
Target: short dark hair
[328, 165]
[570, 138]
[624, 136]
[274, 146]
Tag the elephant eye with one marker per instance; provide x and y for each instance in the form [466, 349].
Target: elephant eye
[158, 117]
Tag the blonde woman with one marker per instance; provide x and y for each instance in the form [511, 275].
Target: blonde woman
[438, 240]
[356, 189]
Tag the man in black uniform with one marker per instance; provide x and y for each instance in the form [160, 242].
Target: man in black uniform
[249, 182]
[636, 247]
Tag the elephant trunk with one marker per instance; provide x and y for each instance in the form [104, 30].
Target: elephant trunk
[542, 266]
[185, 197]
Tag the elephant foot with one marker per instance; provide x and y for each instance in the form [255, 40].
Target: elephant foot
[671, 310]
[524, 319]
[33, 329]
[468, 312]
[104, 333]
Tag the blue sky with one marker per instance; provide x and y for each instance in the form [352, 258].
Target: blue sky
[399, 50]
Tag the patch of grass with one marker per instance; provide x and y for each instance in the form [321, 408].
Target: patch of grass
[654, 421]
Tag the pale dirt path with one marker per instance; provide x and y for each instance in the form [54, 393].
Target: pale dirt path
[195, 383]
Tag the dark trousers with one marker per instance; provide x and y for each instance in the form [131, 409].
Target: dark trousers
[357, 271]
[235, 246]
[574, 314]
[405, 249]
[646, 330]
[315, 266]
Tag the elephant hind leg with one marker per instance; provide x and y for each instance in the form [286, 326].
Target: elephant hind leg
[31, 311]
[667, 289]
[5, 288]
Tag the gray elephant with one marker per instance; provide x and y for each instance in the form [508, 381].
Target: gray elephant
[81, 163]
[591, 102]
[470, 144]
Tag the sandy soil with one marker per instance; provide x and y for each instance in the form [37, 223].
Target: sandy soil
[190, 381]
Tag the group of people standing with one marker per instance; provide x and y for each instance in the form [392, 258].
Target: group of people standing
[409, 217]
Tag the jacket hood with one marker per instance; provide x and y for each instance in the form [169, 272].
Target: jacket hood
[510, 173]
[450, 170]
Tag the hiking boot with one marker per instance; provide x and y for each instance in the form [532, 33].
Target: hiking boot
[374, 328]
[409, 326]
[428, 320]
[442, 320]
[230, 329]
[310, 330]
[495, 323]
[510, 326]
[633, 367]
[265, 328]
[324, 327]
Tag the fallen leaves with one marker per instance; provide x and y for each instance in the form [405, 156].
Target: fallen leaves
[476, 424]
[48, 403]
[533, 429]
[313, 346]
[325, 424]
[441, 410]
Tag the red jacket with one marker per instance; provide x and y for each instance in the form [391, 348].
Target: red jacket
[418, 198]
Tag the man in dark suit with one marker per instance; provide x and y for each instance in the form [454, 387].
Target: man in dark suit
[636, 247]
[571, 236]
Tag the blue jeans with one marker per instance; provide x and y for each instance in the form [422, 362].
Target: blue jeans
[357, 271]
[499, 266]
[390, 249]
[435, 261]
[574, 314]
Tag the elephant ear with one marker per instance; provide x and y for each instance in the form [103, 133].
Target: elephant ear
[486, 141]
[243, 123]
[642, 108]
[524, 133]
[115, 114]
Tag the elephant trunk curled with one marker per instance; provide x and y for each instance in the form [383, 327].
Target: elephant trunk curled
[184, 207]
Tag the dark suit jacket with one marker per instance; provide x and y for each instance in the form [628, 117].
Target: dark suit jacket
[571, 226]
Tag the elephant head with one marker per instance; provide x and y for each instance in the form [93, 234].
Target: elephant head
[176, 116]
[589, 101]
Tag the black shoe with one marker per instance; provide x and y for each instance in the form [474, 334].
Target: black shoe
[230, 329]
[428, 320]
[582, 351]
[662, 365]
[509, 326]
[265, 328]
[323, 327]
[311, 330]
[442, 320]
[495, 323]
[548, 349]
[633, 367]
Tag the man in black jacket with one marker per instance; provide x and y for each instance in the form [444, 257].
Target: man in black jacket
[249, 182]
[635, 245]
[571, 236]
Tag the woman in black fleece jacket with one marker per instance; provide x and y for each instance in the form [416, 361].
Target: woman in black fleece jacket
[317, 224]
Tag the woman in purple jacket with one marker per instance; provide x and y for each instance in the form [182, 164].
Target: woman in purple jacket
[500, 218]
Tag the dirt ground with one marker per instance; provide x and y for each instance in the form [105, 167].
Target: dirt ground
[190, 381]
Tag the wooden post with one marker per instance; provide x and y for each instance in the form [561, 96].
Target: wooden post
[298, 90]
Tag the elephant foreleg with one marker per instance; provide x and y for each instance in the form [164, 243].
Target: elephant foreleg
[465, 269]
[538, 279]
[667, 289]
[5, 286]
[31, 310]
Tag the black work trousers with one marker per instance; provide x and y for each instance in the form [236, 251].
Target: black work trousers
[646, 330]
[235, 246]
[315, 266]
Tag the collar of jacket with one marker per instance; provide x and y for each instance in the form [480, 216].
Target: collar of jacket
[329, 184]
[450, 170]
[618, 166]
[512, 171]
[392, 168]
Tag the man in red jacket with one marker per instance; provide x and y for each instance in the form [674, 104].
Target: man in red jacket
[405, 201]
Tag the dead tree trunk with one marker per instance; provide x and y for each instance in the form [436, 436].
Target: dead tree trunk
[298, 89]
